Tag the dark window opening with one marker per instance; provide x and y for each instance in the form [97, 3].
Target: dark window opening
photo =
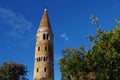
[37, 70]
[39, 59]
[44, 59]
[46, 48]
[47, 36]
[45, 69]
[43, 36]
[38, 48]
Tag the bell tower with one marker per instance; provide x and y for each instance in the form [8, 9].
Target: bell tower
[44, 54]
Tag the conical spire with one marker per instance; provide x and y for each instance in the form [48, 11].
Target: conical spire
[45, 20]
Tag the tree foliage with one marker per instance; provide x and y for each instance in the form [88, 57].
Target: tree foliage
[101, 62]
[70, 64]
[12, 71]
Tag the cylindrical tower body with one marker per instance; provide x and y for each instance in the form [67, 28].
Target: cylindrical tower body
[44, 53]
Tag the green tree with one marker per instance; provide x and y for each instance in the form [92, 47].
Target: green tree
[12, 71]
[101, 62]
[71, 64]
[105, 55]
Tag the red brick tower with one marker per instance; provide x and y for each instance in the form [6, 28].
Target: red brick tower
[44, 55]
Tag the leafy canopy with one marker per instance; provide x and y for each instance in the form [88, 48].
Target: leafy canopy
[101, 62]
[12, 71]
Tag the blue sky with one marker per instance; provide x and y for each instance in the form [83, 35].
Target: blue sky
[70, 20]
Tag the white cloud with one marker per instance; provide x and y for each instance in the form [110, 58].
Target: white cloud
[16, 23]
[64, 36]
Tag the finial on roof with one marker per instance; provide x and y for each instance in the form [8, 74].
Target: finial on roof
[45, 9]
[45, 21]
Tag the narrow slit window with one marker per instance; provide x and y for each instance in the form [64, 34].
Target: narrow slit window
[47, 36]
[43, 36]
[46, 48]
[44, 59]
[45, 69]
[38, 48]
[37, 70]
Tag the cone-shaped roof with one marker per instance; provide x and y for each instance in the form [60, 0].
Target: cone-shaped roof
[45, 21]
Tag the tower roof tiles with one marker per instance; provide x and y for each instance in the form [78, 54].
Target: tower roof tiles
[45, 20]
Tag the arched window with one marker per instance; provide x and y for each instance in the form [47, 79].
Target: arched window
[43, 36]
[44, 59]
[44, 69]
[47, 36]
[37, 70]
[38, 48]
[46, 48]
